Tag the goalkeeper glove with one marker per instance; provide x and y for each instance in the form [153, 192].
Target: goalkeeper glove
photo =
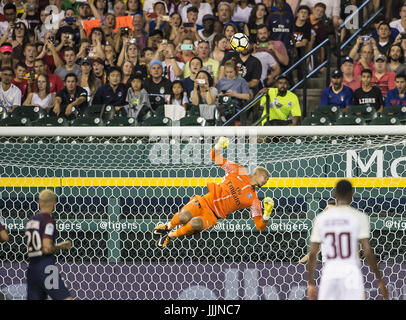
[268, 206]
[222, 143]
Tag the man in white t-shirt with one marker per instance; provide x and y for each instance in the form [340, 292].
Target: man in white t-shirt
[10, 95]
[204, 8]
[10, 15]
[340, 229]
[268, 62]
[400, 24]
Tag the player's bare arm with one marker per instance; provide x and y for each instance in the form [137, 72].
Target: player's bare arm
[4, 236]
[49, 248]
[371, 260]
[311, 267]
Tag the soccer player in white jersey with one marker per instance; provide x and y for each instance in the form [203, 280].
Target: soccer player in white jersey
[340, 229]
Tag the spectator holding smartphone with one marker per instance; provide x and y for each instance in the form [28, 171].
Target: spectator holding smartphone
[363, 60]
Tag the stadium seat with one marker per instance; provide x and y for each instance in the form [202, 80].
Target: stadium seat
[87, 122]
[395, 111]
[3, 113]
[316, 120]
[156, 101]
[156, 120]
[333, 113]
[367, 112]
[192, 121]
[51, 122]
[33, 113]
[350, 120]
[122, 122]
[105, 112]
[15, 122]
[385, 120]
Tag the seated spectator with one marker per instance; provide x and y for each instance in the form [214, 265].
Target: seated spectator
[207, 33]
[337, 94]
[157, 84]
[88, 80]
[154, 21]
[204, 95]
[219, 47]
[119, 8]
[396, 59]
[241, 11]
[20, 79]
[155, 38]
[70, 65]
[128, 72]
[10, 95]
[349, 79]
[283, 104]
[99, 70]
[195, 65]
[42, 97]
[210, 65]
[55, 82]
[397, 96]
[400, 24]
[364, 59]
[270, 68]
[71, 96]
[249, 67]
[137, 99]
[276, 48]
[202, 7]
[173, 70]
[111, 56]
[382, 77]
[113, 92]
[178, 95]
[233, 86]
[280, 23]
[384, 42]
[378, 20]
[367, 94]
[257, 17]
[40, 30]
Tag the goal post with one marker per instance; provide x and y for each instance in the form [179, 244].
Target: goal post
[115, 184]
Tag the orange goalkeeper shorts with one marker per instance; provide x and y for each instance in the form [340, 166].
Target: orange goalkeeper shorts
[198, 207]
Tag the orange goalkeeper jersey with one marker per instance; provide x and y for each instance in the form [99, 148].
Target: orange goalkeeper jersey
[234, 192]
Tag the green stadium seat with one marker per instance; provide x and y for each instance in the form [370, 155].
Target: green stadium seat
[385, 120]
[316, 120]
[156, 120]
[350, 120]
[105, 112]
[15, 122]
[365, 111]
[3, 113]
[87, 122]
[192, 121]
[395, 111]
[156, 101]
[33, 113]
[122, 122]
[333, 113]
[51, 122]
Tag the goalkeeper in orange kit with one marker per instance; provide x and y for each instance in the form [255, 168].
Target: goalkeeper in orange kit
[235, 192]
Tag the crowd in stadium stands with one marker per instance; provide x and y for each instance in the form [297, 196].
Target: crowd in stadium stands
[62, 54]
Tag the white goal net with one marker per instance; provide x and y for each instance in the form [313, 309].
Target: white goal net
[114, 187]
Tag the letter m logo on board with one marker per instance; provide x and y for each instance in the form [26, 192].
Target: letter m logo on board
[365, 164]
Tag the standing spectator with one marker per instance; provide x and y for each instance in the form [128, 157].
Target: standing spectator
[397, 96]
[55, 82]
[173, 70]
[113, 92]
[134, 7]
[19, 40]
[185, 51]
[225, 13]
[204, 93]
[349, 78]
[99, 70]
[175, 22]
[276, 48]
[229, 30]
[20, 79]
[219, 47]
[302, 31]
[140, 36]
[396, 59]
[30, 53]
[249, 67]
[42, 96]
[257, 17]
[337, 94]
[281, 25]
[88, 80]
[10, 15]
[382, 77]
[70, 65]
[195, 65]
[202, 7]
[283, 104]
[241, 11]
[270, 68]
[364, 59]
[71, 96]
[207, 33]
[368, 94]
[52, 58]
[157, 84]
[378, 20]
[319, 30]
[131, 52]
[384, 42]
[400, 24]
[127, 69]
[10, 95]
[332, 10]
[210, 65]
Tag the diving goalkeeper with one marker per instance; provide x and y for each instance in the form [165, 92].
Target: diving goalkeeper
[235, 192]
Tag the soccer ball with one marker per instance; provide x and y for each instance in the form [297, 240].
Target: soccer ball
[239, 42]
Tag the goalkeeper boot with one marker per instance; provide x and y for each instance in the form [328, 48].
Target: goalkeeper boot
[163, 241]
[161, 229]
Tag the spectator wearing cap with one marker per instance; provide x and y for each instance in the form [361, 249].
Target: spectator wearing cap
[84, 11]
[382, 77]
[72, 96]
[349, 78]
[10, 95]
[202, 7]
[207, 33]
[70, 65]
[396, 59]
[157, 84]
[283, 104]
[88, 79]
[99, 70]
[337, 94]
[367, 94]
[113, 92]
[397, 96]
[6, 51]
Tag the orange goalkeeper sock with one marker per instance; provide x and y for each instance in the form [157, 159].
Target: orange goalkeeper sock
[175, 221]
[182, 231]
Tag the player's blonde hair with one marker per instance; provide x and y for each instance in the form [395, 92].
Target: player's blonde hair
[262, 170]
[47, 197]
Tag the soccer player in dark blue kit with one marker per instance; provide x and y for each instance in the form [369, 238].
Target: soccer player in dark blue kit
[43, 277]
